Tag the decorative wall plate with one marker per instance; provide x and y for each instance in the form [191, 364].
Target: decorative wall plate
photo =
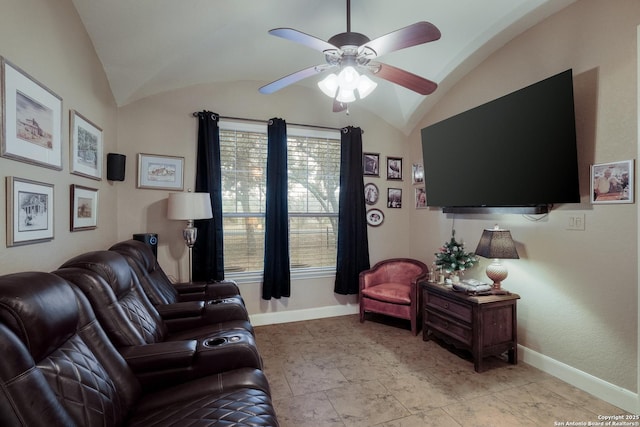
[375, 217]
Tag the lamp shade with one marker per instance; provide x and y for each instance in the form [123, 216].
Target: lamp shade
[188, 206]
[497, 243]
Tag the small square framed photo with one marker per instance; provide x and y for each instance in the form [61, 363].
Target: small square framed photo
[32, 113]
[84, 208]
[417, 173]
[86, 147]
[160, 172]
[394, 198]
[612, 182]
[371, 164]
[29, 211]
[394, 168]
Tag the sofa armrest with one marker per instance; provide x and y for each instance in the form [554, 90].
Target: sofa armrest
[181, 310]
[160, 356]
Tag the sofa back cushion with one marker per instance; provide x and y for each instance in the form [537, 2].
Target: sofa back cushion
[59, 367]
[153, 279]
[116, 296]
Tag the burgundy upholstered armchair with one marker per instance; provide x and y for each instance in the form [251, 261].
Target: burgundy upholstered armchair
[391, 288]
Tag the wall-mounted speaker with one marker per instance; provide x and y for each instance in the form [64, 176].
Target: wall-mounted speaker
[150, 239]
[115, 166]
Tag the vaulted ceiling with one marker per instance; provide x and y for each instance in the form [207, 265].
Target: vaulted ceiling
[151, 46]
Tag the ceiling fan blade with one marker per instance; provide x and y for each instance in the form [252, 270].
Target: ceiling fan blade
[293, 78]
[302, 38]
[406, 79]
[415, 34]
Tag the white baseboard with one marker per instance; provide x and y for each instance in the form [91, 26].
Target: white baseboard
[618, 396]
[306, 314]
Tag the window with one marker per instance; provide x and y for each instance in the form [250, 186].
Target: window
[314, 179]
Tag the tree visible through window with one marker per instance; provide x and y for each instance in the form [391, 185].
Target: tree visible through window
[314, 179]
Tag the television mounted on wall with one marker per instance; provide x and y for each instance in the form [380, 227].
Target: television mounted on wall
[516, 153]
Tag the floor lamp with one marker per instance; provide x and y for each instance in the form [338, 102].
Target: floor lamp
[189, 207]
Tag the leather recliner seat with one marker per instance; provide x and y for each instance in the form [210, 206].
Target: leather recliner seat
[60, 369]
[186, 347]
[161, 287]
[222, 297]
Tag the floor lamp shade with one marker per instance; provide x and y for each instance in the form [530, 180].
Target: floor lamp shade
[189, 206]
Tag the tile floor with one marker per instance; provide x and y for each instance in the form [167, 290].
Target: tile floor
[339, 372]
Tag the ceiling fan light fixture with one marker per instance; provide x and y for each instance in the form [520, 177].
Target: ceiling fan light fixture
[365, 86]
[329, 85]
[348, 78]
[345, 95]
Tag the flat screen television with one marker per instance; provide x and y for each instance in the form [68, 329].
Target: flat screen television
[517, 151]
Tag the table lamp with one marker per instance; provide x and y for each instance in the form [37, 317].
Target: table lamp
[189, 206]
[497, 244]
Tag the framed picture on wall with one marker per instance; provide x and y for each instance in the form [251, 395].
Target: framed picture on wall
[29, 211]
[417, 173]
[86, 146]
[160, 172]
[32, 119]
[394, 168]
[371, 164]
[371, 193]
[421, 198]
[375, 217]
[84, 208]
[612, 182]
[394, 198]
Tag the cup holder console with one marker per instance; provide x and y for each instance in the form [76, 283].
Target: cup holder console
[218, 301]
[218, 341]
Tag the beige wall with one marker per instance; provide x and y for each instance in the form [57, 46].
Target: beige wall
[579, 289]
[163, 124]
[579, 294]
[47, 40]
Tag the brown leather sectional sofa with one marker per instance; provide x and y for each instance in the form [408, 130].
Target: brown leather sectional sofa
[85, 345]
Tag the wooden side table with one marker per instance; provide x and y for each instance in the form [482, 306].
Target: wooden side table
[484, 325]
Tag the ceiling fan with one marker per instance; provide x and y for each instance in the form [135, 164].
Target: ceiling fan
[350, 53]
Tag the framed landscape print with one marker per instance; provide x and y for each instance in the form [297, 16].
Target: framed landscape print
[86, 147]
[160, 172]
[612, 182]
[84, 208]
[32, 119]
[29, 211]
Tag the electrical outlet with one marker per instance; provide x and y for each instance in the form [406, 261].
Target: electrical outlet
[576, 222]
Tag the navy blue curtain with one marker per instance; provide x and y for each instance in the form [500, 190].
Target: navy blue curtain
[208, 254]
[277, 278]
[353, 242]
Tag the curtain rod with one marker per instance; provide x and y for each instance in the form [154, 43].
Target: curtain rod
[267, 121]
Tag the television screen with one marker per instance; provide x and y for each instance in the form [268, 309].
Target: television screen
[517, 150]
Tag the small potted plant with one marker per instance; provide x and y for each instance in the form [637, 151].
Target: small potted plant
[453, 259]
